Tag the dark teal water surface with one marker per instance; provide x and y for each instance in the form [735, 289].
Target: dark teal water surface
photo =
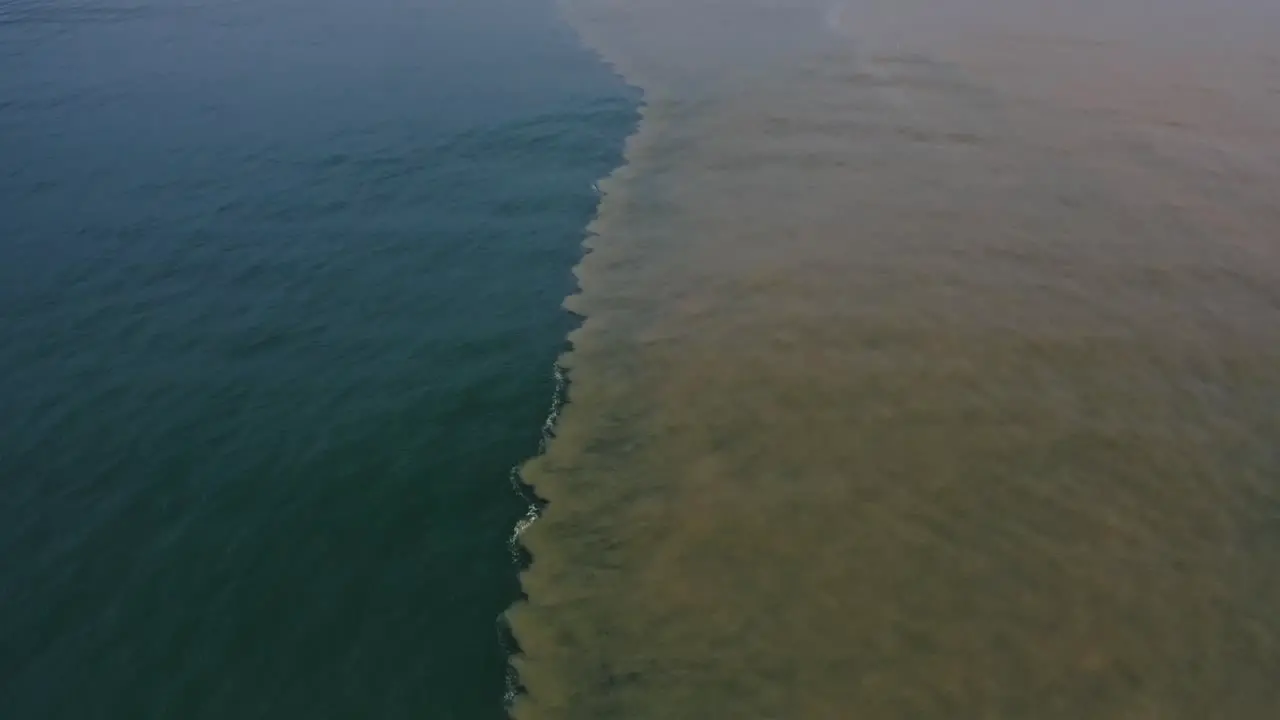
[280, 287]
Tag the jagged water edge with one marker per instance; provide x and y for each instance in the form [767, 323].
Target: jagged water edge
[521, 559]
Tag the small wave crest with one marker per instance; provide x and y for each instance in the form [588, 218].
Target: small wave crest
[523, 490]
[513, 686]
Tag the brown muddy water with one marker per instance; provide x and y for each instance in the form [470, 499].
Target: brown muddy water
[930, 369]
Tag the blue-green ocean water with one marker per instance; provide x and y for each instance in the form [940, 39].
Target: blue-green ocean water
[280, 287]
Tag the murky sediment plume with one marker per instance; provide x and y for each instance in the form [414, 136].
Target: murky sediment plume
[930, 369]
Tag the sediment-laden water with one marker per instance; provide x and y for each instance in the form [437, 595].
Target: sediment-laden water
[931, 369]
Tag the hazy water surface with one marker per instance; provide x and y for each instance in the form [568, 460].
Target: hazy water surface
[931, 369]
[280, 288]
